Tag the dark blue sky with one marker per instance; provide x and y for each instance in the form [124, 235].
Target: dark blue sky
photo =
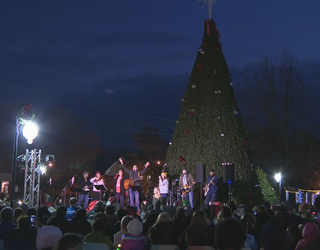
[120, 65]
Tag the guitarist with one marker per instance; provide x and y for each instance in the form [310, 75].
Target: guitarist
[119, 187]
[136, 188]
[84, 195]
[186, 180]
[212, 184]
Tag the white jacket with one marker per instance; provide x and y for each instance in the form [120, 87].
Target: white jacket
[163, 186]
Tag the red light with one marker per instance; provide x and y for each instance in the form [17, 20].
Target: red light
[313, 212]
[50, 165]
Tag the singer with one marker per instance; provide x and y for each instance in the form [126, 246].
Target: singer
[163, 185]
[119, 187]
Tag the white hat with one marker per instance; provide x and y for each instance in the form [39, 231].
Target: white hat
[135, 227]
[48, 236]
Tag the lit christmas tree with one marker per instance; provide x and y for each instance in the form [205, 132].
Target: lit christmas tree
[209, 129]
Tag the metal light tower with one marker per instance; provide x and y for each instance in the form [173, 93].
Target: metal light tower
[31, 194]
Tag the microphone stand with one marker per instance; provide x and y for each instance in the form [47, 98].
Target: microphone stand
[64, 190]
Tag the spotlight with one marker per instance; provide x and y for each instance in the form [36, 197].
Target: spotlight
[49, 160]
[158, 162]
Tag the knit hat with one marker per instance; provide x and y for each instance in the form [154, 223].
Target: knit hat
[48, 236]
[184, 168]
[135, 227]
[165, 174]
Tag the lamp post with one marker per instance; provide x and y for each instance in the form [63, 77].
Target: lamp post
[30, 131]
[278, 178]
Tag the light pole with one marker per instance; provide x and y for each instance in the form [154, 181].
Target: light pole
[24, 115]
[278, 178]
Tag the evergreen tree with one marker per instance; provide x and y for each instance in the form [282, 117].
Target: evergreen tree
[269, 194]
[209, 129]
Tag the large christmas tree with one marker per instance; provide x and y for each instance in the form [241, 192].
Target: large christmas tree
[209, 129]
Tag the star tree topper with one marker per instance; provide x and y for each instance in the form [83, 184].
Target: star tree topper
[210, 4]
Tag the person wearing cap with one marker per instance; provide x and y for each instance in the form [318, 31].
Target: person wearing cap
[163, 185]
[212, 184]
[135, 175]
[84, 195]
[186, 181]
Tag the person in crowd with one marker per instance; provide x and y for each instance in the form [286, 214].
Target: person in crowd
[124, 224]
[156, 194]
[311, 237]
[70, 242]
[22, 237]
[241, 209]
[119, 215]
[60, 220]
[79, 223]
[42, 217]
[163, 232]
[163, 185]
[230, 235]
[133, 240]
[250, 242]
[24, 206]
[83, 197]
[251, 220]
[226, 213]
[119, 187]
[186, 181]
[31, 211]
[136, 189]
[149, 222]
[212, 187]
[295, 236]
[17, 213]
[97, 236]
[72, 209]
[165, 208]
[274, 236]
[6, 221]
[48, 237]
[97, 180]
[199, 233]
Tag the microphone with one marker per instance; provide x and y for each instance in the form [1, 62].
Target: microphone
[72, 180]
[50, 181]
[75, 175]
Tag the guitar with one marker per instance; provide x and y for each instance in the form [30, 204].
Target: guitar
[129, 183]
[187, 189]
[207, 187]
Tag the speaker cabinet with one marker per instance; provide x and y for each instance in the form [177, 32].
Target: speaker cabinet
[199, 172]
[228, 173]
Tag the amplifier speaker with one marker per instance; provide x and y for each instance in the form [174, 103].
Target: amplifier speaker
[228, 173]
[199, 172]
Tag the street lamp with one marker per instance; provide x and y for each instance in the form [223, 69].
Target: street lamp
[30, 131]
[24, 116]
[278, 178]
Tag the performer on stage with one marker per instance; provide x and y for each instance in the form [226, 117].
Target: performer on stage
[136, 188]
[212, 184]
[163, 185]
[186, 181]
[119, 187]
[83, 182]
[97, 180]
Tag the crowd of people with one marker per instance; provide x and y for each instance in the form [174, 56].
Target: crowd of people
[235, 227]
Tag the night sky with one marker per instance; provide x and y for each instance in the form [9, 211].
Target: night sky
[120, 65]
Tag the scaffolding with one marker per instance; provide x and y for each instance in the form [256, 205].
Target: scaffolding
[32, 175]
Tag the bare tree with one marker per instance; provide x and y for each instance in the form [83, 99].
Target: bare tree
[281, 106]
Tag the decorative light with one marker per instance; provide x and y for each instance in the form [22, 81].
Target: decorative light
[297, 197]
[170, 143]
[158, 162]
[307, 197]
[30, 131]
[287, 195]
[300, 200]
